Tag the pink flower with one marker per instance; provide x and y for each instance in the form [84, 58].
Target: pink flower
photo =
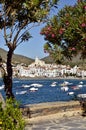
[49, 28]
[53, 35]
[61, 30]
[83, 24]
[67, 23]
[85, 7]
[73, 49]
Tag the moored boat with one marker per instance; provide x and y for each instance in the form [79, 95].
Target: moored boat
[21, 92]
[65, 88]
[53, 84]
[33, 89]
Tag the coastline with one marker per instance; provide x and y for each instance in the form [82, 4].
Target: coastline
[49, 78]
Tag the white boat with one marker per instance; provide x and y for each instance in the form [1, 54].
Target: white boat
[81, 95]
[81, 82]
[53, 84]
[70, 93]
[33, 89]
[75, 87]
[64, 88]
[1, 87]
[80, 85]
[36, 85]
[21, 92]
[65, 83]
[26, 86]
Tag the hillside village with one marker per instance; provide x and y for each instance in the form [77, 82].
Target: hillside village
[40, 69]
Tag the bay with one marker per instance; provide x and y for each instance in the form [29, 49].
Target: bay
[45, 91]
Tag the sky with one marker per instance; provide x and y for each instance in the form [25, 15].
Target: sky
[34, 47]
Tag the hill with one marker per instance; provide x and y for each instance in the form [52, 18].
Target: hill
[16, 58]
[48, 59]
[75, 61]
[23, 59]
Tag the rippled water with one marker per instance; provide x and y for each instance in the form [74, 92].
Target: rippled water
[46, 93]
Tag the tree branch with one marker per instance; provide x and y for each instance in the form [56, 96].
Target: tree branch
[5, 36]
[11, 33]
[25, 32]
[16, 36]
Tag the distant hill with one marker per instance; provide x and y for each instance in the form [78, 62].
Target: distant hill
[48, 59]
[75, 61]
[22, 59]
[16, 58]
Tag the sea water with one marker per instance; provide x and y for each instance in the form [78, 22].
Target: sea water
[45, 92]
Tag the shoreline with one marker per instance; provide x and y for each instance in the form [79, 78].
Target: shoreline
[49, 78]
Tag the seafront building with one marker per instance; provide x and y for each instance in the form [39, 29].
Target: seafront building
[40, 69]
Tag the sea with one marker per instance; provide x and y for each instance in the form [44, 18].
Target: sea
[34, 91]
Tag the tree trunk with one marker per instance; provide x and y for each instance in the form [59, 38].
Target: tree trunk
[8, 76]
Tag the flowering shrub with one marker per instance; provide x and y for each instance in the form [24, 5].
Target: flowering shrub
[69, 25]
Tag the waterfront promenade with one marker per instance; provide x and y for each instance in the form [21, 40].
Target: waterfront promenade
[66, 123]
[65, 118]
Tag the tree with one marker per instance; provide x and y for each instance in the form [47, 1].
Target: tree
[68, 30]
[55, 52]
[17, 17]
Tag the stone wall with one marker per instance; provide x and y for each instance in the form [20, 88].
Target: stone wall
[44, 109]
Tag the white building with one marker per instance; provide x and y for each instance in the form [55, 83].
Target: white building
[38, 62]
[40, 69]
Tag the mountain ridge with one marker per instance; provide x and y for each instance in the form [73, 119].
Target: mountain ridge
[16, 58]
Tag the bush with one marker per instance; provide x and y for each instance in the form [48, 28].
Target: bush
[11, 116]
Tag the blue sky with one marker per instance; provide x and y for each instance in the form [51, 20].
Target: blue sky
[34, 47]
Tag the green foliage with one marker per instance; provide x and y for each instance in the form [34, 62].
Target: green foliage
[18, 15]
[69, 26]
[11, 116]
[55, 51]
[57, 54]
